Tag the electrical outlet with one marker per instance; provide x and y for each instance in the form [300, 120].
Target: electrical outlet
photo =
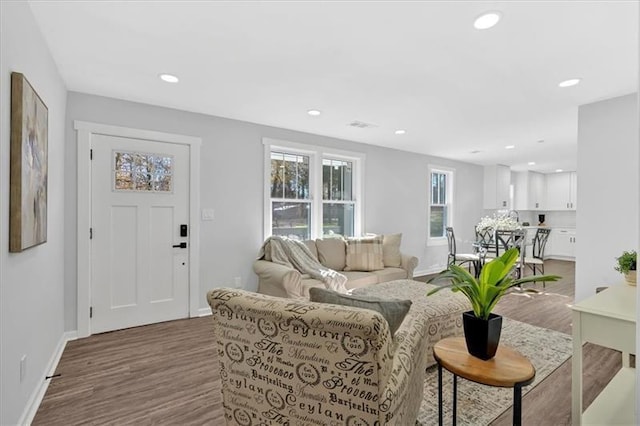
[237, 282]
[23, 368]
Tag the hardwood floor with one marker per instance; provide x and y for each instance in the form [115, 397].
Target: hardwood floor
[167, 373]
[164, 373]
[549, 403]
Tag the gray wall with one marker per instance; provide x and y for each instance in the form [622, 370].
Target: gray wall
[38, 287]
[232, 153]
[607, 217]
[31, 284]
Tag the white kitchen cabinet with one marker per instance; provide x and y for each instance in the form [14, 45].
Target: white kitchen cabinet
[537, 191]
[529, 191]
[562, 244]
[573, 194]
[496, 187]
[562, 189]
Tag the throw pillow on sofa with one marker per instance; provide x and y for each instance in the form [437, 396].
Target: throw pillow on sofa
[391, 255]
[364, 254]
[393, 311]
[332, 252]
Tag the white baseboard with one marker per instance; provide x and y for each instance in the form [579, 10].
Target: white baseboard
[36, 397]
[432, 270]
[556, 257]
[203, 312]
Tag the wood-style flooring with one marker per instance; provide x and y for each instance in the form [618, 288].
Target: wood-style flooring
[167, 373]
[549, 403]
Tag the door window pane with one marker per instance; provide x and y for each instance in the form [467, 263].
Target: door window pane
[291, 219]
[337, 219]
[135, 171]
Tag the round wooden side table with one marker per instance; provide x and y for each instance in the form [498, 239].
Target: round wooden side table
[507, 369]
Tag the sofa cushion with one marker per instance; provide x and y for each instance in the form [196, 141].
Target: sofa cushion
[357, 279]
[311, 245]
[364, 254]
[393, 310]
[390, 274]
[332, 253]
[391, 255]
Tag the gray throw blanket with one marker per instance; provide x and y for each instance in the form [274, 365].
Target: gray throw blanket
[295, 254]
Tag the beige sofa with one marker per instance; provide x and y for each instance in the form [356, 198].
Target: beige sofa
[284, 281]
[305, 363]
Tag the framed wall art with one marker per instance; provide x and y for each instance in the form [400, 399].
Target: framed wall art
[28, 181]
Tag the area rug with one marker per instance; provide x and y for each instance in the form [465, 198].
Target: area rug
[480, 405]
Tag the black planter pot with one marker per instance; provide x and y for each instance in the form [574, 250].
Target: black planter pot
[482, 336]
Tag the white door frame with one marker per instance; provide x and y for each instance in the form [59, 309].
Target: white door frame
[85, 131]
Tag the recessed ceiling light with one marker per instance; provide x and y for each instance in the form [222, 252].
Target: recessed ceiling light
[476, 151]
[314, 112]
[559, 170]
[400, 132]
[541, 141]
[531, 163]
[169, 78]
[509, 147]
[569, 83]
[487, 20]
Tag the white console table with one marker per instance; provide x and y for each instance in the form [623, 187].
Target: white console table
[606, 319]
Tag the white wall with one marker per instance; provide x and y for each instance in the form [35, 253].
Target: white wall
[31, 284]
[638, 280]
[607, 219]
[232, 184]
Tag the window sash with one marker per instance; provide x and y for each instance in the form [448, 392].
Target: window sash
[293, 219]
[290, 176]
[337, 173]
[338, 219]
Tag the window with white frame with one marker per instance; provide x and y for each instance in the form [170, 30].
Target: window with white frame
[440, 202]
[312, 192]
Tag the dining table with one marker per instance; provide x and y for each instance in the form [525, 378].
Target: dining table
[489, 244]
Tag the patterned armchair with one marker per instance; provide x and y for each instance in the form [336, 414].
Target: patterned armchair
[285, 361]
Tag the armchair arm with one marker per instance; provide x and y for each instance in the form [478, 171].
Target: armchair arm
[409, 264]
[402, 394]
[278, 280]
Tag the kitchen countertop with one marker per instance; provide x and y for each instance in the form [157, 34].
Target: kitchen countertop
[550, 227]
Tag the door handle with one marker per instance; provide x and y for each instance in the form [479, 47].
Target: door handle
[181, 245]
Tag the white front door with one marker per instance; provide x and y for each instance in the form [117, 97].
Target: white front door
[139, 203]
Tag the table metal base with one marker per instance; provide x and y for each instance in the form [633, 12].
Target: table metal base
[517, 400]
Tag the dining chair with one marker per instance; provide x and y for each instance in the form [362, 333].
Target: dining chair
[506, 239]
[486, 242]
[461, 258]
[536, 261]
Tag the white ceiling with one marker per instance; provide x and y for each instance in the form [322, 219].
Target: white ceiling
[419, 66]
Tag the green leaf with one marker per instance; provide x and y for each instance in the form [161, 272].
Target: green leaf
[494, 282]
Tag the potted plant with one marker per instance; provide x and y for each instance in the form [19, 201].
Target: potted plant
[627, 264]
[482, 328]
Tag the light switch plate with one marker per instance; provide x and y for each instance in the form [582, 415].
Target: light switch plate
[207, 214]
